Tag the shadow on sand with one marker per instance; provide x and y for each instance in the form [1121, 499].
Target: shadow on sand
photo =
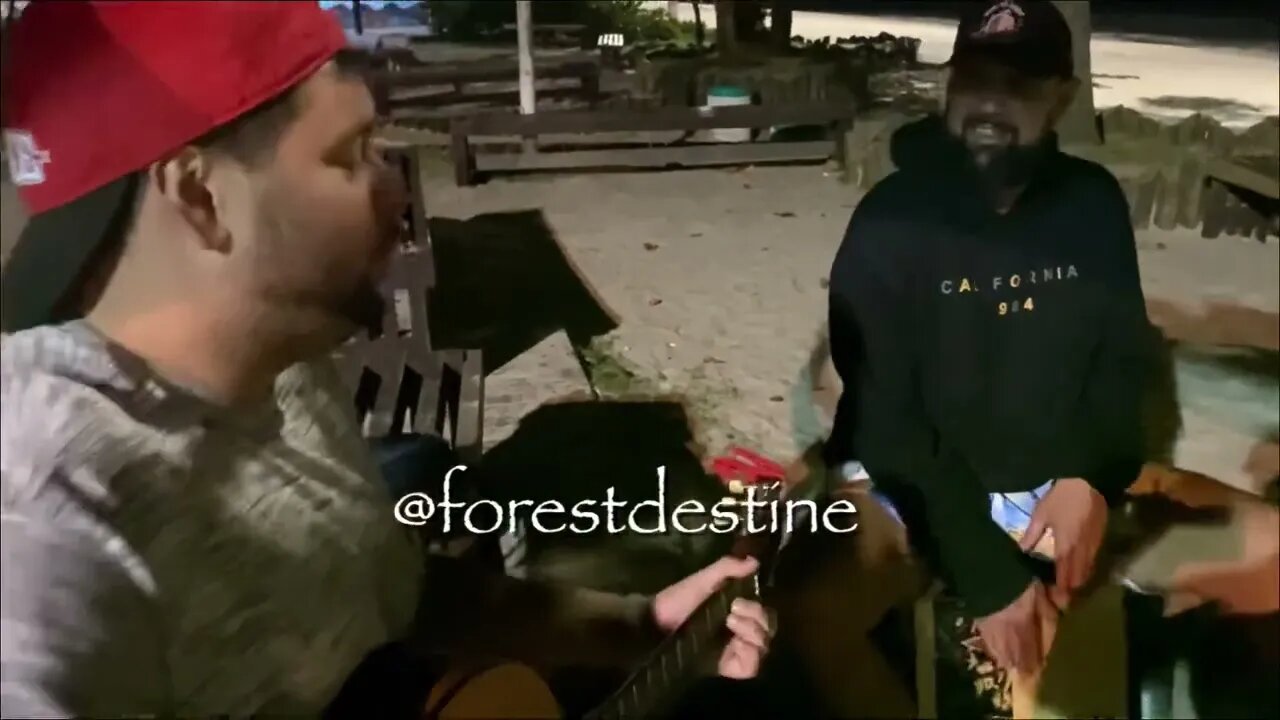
[581, 450]
[504, 284]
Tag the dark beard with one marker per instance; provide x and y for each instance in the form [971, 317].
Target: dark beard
[1001, 169]
[1008, 168]
[337, 318]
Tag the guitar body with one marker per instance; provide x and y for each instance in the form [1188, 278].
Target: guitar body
[500, 692]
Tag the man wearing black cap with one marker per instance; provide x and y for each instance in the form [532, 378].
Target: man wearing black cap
[988, 323]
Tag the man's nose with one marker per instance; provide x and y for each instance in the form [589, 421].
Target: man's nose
[391, 190]
[991, 101]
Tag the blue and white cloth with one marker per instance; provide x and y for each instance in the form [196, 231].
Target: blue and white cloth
[1011, 511]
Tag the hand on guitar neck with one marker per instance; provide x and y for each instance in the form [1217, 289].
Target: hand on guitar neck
[694, 610]
[714, 614]
[747, 620]
[725, 595]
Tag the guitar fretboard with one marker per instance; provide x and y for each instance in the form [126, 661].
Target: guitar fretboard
[677, 660]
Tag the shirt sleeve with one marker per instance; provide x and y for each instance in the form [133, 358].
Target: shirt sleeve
[80, 639]
[874, 351]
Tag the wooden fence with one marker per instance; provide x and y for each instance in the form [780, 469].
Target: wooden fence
[1191, 174]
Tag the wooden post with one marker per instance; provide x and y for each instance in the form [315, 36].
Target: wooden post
[1079, 126]
[524, 41]
[356, 18]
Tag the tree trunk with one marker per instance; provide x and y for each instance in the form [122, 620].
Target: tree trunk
[699, 30]
[356, 19]
[726, 28]
[1079, 126]
[780, 25]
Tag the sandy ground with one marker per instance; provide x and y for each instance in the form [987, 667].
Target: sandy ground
[1128, 70]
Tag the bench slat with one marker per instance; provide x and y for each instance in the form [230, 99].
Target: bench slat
[671, 118]
[483, 71]
[657, 157]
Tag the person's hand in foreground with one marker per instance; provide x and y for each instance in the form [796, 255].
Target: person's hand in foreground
[1077, 516]
[748, 621]
[1018, 637]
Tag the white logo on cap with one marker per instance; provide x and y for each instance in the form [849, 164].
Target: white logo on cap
[26, 159]
[1003, 17]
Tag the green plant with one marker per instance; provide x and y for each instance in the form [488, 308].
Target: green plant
[636, 22]
[467, 20]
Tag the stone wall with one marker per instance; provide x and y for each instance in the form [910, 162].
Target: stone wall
[1165, 169]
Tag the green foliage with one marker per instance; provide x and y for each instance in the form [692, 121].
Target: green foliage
[468, 20]
[477, 19]
[636, 22]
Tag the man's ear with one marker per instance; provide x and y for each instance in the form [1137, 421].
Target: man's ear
[1066, 94]
[942, 90]
[185, 182]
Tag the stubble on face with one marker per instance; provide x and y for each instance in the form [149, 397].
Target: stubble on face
[310, 295]
[326, 225]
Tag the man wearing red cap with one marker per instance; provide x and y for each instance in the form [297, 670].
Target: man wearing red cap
[192, 524]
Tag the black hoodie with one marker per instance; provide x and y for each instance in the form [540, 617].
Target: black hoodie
[983, 352]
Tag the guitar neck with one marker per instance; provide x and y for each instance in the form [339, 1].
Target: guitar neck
[677, 660]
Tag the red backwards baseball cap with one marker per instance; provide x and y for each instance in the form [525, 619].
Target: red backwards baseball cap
[96, 91]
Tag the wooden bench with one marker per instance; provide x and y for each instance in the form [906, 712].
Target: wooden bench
[404, 92]
[403, 384]
[468, 161]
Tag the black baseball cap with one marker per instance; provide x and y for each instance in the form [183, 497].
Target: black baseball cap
[1031, 37]
[57, 249]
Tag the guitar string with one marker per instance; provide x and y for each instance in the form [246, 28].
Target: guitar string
[707, 617]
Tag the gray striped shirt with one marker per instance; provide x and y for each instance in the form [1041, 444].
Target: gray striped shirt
[163, 556]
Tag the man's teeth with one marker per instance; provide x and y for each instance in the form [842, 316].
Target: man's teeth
[986, 131]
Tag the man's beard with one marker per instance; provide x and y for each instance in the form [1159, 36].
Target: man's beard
[327, 317]
[322, 307]
[999, 167]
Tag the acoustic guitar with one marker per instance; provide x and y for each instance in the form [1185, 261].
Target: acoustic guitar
[515, 691]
